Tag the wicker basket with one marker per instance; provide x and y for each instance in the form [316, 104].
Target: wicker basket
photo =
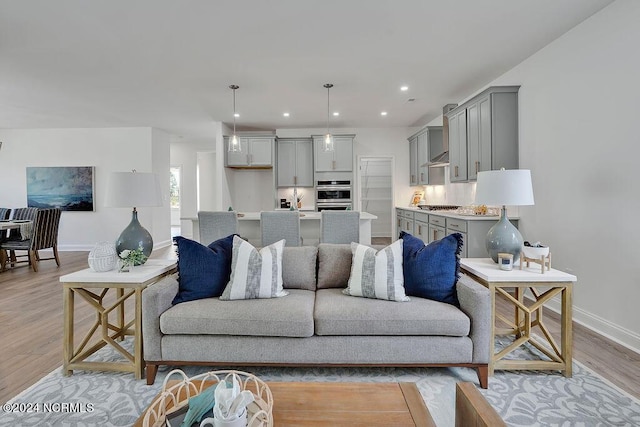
[175, 395]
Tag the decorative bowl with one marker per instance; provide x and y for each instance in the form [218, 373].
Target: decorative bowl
[535, 252]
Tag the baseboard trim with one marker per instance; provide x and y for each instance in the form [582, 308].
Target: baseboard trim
[87, 248]
[597, 324]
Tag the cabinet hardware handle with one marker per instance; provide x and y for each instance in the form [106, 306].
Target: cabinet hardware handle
[421, 176]
[419, 229]
[456, 171]
[333, 164]
[477, 166]
[435, 233]
[295, 180]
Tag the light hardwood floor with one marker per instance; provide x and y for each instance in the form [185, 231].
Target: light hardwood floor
[31, 329]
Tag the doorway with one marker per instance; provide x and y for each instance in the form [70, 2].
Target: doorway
[175, 175]
[375, 195]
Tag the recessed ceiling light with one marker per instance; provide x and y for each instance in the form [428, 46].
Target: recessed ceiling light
[335, 113]
[404, 88]
[236, 114]
[384, 113]
[285, 114]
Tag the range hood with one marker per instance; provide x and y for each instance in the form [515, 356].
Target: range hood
[442, 159]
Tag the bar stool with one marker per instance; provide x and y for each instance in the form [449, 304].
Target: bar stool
[339, 227]
[276, 226]
[216, 225]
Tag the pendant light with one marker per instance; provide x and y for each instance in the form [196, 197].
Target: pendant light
[327, 144]
[234, 141]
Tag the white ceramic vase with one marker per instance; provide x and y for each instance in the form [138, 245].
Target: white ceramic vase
[103, 257]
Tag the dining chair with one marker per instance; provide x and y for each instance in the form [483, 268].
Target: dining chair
[339, 226]
[44, 236]
[275, 226]
[216, 225]
[28, 214]
[4, 213]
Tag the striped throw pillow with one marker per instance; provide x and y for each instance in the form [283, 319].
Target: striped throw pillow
[377, 274]
[255, 274]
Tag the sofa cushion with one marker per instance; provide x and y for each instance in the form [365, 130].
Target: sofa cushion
[299, 267]
[377, 274]
[334, 265]
[290, 316]
[432, 271]
[255, 274]
[203, 270]
[339, 314]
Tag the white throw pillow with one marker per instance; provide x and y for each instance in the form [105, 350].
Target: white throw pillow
[255, 274]
[377, 274]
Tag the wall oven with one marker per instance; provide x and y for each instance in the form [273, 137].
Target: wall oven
[333, 195]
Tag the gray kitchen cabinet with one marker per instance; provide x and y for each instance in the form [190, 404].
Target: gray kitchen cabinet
[294, 162]
[458, 146]
[420, 153]
[413, 161]
[421, 226]
[257, 152]
[489, 137]
[437, 229]
[405, 221]
[338, 160]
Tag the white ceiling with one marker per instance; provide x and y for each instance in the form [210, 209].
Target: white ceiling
[168, 63]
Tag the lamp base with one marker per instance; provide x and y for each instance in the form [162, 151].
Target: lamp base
[134, 237]
[503, 237]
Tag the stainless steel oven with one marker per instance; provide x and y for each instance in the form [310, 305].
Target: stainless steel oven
[331, 206]
[333, 195]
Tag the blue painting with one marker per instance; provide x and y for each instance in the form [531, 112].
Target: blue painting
[69, 188]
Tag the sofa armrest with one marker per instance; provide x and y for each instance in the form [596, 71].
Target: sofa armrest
[475, 301]
[156, 299]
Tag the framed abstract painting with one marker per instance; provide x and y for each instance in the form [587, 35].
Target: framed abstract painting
[69, 188]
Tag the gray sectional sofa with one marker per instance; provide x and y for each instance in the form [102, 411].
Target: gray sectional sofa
[316, 324]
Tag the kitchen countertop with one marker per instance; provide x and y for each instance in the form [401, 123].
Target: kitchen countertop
[305, 215]
[453, 214]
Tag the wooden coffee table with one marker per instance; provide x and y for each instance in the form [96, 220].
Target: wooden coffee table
[346, 404]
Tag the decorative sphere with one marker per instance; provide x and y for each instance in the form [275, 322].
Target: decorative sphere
[103, 257]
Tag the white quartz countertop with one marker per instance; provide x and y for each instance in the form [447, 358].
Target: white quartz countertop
[453, 214]
[304, 215]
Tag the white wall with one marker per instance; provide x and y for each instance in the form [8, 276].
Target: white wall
[108, 150]
[578, 107]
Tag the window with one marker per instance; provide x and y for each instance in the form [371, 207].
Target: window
[174, 187]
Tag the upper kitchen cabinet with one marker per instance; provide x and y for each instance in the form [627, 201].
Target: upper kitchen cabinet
[421, 146]
[338, 160]
[413, 160]
[489, 138]
[256, 152]
[295, 162]
[458, 146]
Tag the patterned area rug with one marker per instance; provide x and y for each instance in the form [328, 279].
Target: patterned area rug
[522, 398]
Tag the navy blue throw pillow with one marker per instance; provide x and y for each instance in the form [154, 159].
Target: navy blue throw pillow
[203, 271]
[431, 271]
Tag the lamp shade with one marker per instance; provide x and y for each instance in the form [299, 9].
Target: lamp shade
[504, 187]
[132, 189]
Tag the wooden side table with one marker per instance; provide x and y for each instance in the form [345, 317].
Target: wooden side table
[93, 287]
[543, 287]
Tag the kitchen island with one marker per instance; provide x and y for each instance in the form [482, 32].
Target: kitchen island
[249, 227]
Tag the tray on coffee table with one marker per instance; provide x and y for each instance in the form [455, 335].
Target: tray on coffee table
[176, 393]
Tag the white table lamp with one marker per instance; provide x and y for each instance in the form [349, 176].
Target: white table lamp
[133, 189]
[504, 188]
